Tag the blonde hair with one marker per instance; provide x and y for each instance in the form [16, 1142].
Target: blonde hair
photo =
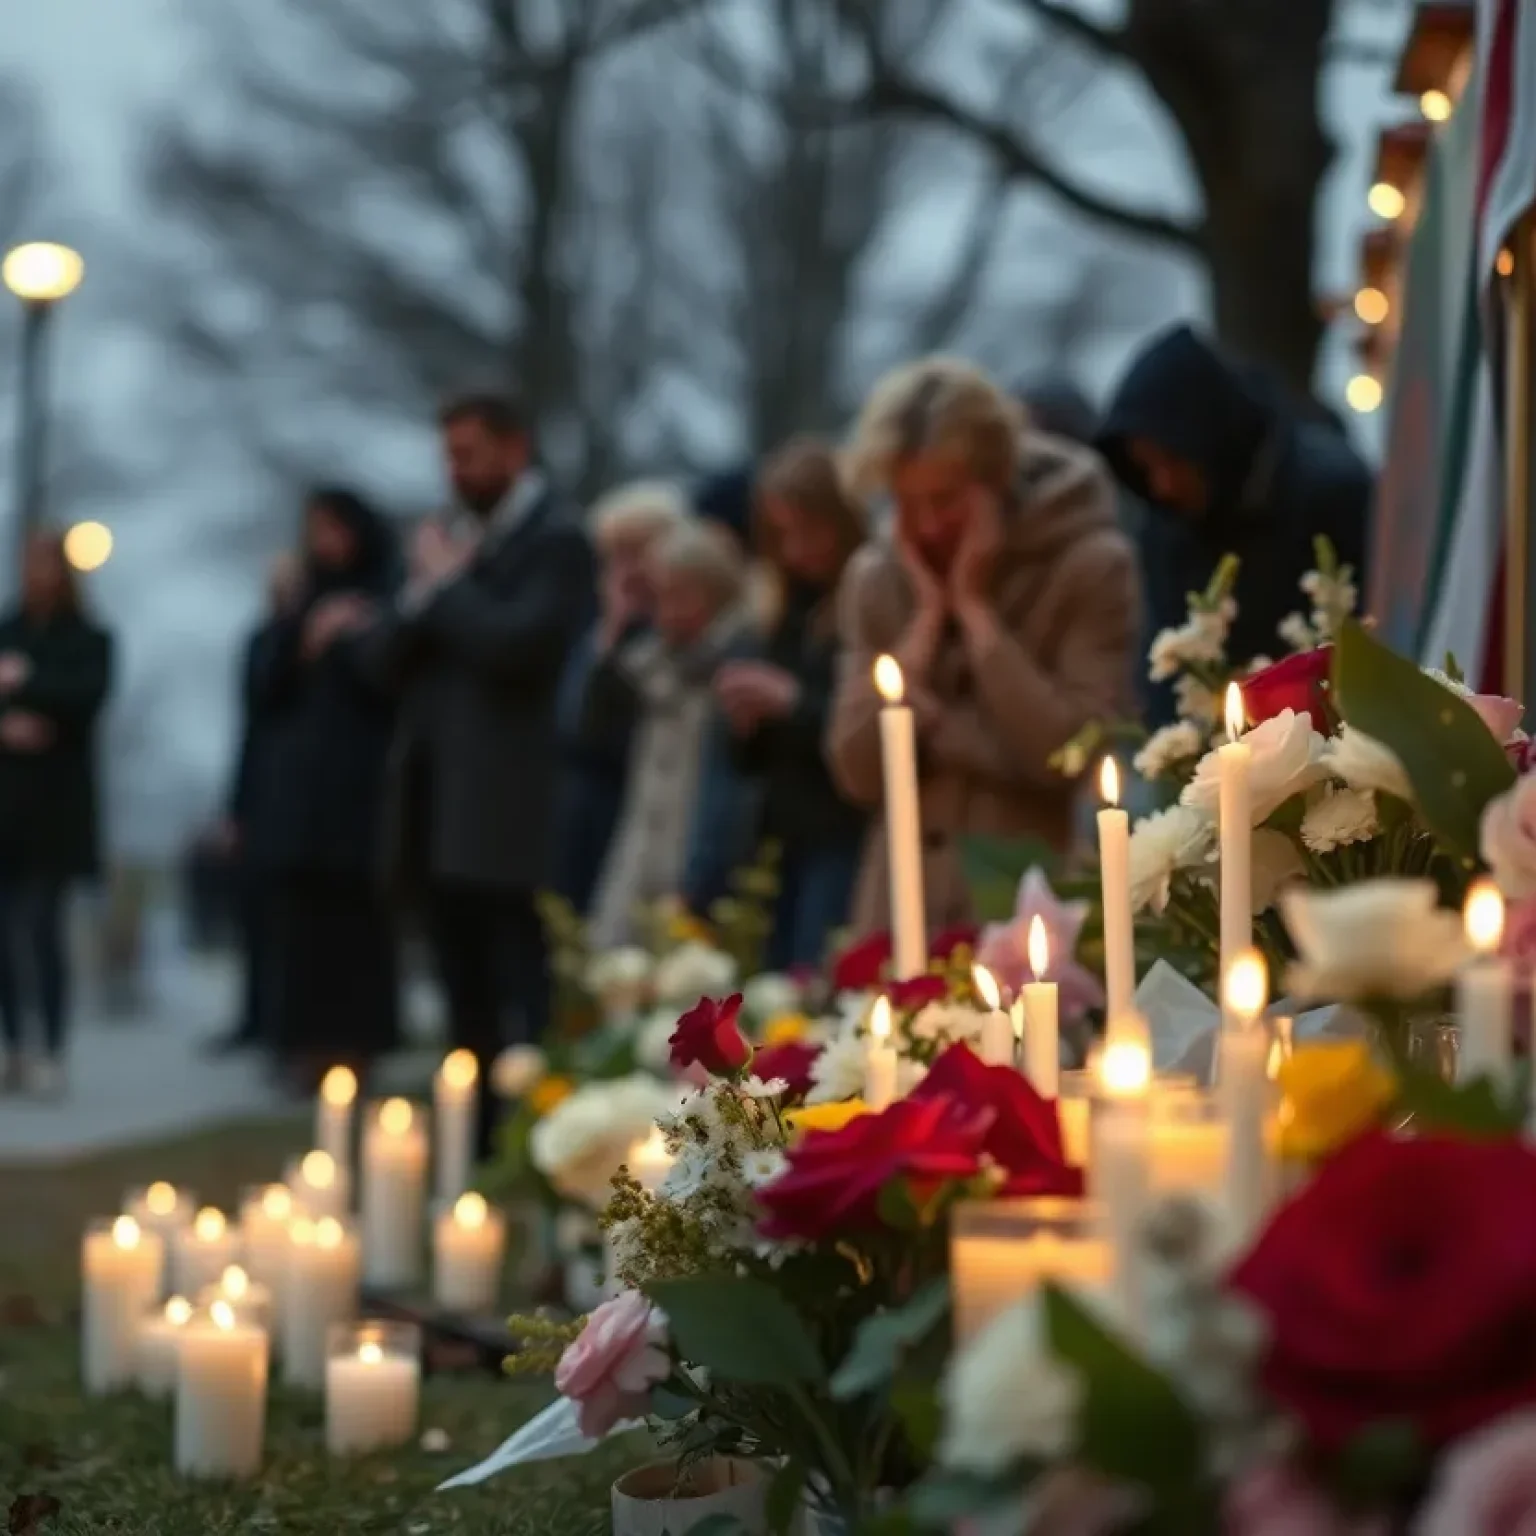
[637, 513]
[707, 554]
[935, 404]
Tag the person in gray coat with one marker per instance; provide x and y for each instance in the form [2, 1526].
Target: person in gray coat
[499, 592]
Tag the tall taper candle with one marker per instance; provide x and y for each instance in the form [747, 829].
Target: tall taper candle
[1042, 1022]
[333, 1116]
[455, 1100]
[1236, 807]
[1485, 990]
[903, 824]
[1243, 1093]
[1115, 887]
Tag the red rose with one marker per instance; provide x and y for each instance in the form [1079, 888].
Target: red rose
[860, 967]
[833, 1182]
[1024, 1136]
[957, 936]
[1299, 682]
[709, 1035]
[791, 1061]
[916, 992]
[1401, 1284]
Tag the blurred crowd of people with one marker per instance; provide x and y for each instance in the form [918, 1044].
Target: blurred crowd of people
[622, 702]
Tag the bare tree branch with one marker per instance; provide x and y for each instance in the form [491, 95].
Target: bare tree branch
[1108, 42]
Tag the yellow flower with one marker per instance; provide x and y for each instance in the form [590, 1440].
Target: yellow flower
[786, 1028]
[548, 1092]
[1333, 1091]
[684, 928]
[825, 1117]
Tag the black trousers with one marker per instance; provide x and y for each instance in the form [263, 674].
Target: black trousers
[493, 964]
[32, 948]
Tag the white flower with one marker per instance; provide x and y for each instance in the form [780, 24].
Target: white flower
[584, 1140]
[946, 1024]
[1005, 1398]
[760, 1168]
[1297, 633]
[1165, 749]
[1363, 763]
[653, 1041]
[1161, 845]
[1285, 757]
[756, 1088]
[769, 994]
[692, 971]
[838, 1072]
[1195, 701]
[619, 978]
[694, 1168]
[1274, 861]
[1341, 817]
[1377, 938]
[1200, 640]
[516, 1070]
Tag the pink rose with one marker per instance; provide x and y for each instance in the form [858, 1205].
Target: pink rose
[608, 1372]
[1487, 1484]
[1276, 1500]
[1508, 839]
[1500, 715]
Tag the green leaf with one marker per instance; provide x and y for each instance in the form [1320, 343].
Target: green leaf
[1482, 1109]
[916, 1406]
[741, 1329]
[884, 1340]
[1382, 1462]
[785, 1495]
[1133, 1425]
[992, 868]
[1451, 758]
[945, 1498]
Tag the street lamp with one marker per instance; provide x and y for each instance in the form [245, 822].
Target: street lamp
[40, 274]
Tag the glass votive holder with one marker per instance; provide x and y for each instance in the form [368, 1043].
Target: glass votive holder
[1189, 1143]
[1002, 1250]
[372, 1386]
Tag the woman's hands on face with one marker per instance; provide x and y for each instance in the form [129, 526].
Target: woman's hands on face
[970, 576]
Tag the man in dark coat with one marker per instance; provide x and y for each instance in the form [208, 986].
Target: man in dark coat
[1225, 463]
[499, 592]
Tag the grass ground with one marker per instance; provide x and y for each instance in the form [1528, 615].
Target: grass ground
[106, 1463]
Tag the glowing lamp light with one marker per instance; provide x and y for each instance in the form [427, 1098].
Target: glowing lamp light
[1386, 201]
[1039, 948]
[41, 272]
[339, 1086]
[1109, 782]
[460, 1069]
[125, 1232]
[1483, 917]
[395, 1117]
[1372, 306]
[880, 1019]
[471, 1210]
[208, 1225]
[1436, 106]
[1245, 988]
[1364, 393]
[889, 683]
[88, 546]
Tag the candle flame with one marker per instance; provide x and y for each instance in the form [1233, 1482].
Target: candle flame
[277, 1202]
[301, 1230]
[889, 683]
[235, 1283]
[370, 1353]
[880, 1020]
[1237, 715]
[1039, 948]
[1484, 917]
[1109, 782]
[339, 1087]
[318, 1170]
[328, 1232]
[223, 1315]
[178, 1311]
[460, 1069]
[1125, 1068]
[125, 1232]
[395, 1117]
[208, 1226]
[1245, 988]
[160, 1198]
[1018, 1017]
[986, 986]
[471, 1210]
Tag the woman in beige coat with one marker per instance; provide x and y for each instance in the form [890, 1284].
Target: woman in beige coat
[1009, 596]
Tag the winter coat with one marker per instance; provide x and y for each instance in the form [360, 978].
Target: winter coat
[1275, 481]
[1065, 591]
[48, 798]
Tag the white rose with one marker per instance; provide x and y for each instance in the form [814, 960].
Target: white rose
[1377, 938]
[1285, 757]
[1162, 844]
[692, 971]
[1340, 817]
[769, 994]
[838, 1072]
[1363, 763]
[620, 978]
[653, 1041]
[1167, 748]
[584, 1140]
[516, 1070]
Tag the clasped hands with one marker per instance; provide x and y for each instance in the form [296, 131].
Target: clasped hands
[345, 613]
[751, 692]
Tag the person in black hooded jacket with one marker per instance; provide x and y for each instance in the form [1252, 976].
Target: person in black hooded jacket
[1225, 463]
[336, 994]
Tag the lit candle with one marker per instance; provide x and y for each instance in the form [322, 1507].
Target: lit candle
[903, 823]
[120, 1273]
[1485, 988]
[319, 1290]
[333, 1115]
[394, 1196]
[468, 1246]
[996, 1026]
[264, 1217]
[1121, 1161]
[455, 1101]
[202, 1252]
[159, 1338]
[1243, 1093]
[1233, 763]
[1042, 1027]
[161, 1208]
[880, 1058]
[1115, 889]
[372, 1387]
[1001, 1251]
[649, 1162]
[252, 1302]
[1189, 1144]
[221, 1395]
[320, 1184]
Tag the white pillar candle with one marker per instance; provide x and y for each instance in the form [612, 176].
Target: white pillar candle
[880, 1058]
[252, 1302]
[903, 823]
[334, 1108]
[319, 1184]
[394, 1192]
[319, 1290]
[1485, 991]
[155, 1353]
[455, 1104]
[996, 1026]
[1243, 1093]
[1115, 891]
[1042, 1022]
[1120, 1164]
[372, 1387]
[221, 1395]
[649, 1162]
[163, 1209]
[264, 1217]
[469, 1245]
[120, 1281]
[1234, 761]
[202, 1252]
